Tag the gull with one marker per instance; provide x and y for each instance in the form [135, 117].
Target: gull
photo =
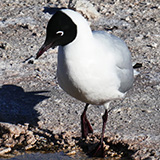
[94, 67]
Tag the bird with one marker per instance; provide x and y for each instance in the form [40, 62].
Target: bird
[94, 67]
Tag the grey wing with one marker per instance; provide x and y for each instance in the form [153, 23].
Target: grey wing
[123, 64]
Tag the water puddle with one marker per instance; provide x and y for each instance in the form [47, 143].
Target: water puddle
[49, 156]
[40, 156]
[55, 156]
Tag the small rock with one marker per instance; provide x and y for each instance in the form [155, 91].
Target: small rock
[30, 146]
[26, 125]
[71, 153]
[40, 124]
[85, 7]
[13, 130]
[30, 138]
[9, 143]
[56, 136]
[107, 147]
[72, 144]
[4, 151]
[5, 46]
[21, 139]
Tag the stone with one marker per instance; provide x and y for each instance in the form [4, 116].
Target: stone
[86, 8]
[4, 150]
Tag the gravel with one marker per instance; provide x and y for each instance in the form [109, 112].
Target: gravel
[29, 93]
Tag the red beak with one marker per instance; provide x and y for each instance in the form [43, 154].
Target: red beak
[44, 48]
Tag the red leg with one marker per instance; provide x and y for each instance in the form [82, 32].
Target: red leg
[85, 125]
[99, 150]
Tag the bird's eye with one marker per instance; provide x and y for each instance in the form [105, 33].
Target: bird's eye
[61, 33]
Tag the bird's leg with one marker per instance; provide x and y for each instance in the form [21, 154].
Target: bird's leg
[85, 125]
[99, 150]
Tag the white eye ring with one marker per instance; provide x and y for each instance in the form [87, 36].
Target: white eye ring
[61, 33]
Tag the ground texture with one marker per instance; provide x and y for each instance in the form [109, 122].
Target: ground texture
[31, 102]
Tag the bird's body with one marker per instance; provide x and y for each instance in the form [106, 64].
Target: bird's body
[94, 67]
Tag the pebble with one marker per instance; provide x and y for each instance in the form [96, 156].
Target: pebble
[71, 153]
[4, 151]
[21, 139]
[5, 46]
[10, 142]
[28, 147]
[85, 7]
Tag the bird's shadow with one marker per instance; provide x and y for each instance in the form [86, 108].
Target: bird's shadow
[17, 106]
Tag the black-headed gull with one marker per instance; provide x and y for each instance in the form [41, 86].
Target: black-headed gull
[93, 66]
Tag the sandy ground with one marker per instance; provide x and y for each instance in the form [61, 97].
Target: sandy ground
[29, 92]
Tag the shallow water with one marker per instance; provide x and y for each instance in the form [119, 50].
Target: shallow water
[40, 156]
[53, 156]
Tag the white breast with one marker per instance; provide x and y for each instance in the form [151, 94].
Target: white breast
[89, 69]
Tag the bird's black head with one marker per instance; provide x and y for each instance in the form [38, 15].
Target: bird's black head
[61, 30]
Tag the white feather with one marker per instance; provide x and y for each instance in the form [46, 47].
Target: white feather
[96, 67]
